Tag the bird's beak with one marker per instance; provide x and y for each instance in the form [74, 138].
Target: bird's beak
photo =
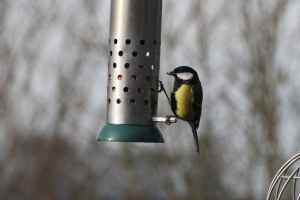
[171, 73]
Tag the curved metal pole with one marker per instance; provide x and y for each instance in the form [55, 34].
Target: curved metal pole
[284, 186]
[279, 175]
[278, 186]
[295, 183]
[281, 171]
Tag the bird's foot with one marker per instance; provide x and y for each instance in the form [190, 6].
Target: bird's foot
[161, 87]
[170, 119]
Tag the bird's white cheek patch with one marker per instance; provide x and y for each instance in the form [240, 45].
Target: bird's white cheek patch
[185, 75]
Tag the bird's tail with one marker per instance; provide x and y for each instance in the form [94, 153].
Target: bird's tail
[193, 126]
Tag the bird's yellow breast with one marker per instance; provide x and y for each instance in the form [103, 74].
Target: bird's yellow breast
[184, 98]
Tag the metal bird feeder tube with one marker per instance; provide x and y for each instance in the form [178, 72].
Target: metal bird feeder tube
[133, 71]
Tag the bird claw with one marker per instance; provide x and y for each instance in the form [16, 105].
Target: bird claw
[161, 87]
[168, 119]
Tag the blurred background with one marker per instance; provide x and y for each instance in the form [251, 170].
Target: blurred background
[53, 76]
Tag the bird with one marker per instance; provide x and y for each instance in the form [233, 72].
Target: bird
[186, 98]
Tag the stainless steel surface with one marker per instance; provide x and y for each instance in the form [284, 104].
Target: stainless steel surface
[167, 120]
[133, 68]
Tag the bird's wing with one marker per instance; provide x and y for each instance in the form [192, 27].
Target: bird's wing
[197, 105]
[173, 101]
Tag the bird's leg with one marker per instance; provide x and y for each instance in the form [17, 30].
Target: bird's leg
[168, 119]
[162, 88]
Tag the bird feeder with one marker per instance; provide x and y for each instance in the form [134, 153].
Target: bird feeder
[133, 71]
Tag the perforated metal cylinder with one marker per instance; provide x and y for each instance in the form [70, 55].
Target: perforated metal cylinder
[133, 67]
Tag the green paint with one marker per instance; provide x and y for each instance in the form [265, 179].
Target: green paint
[130, 133]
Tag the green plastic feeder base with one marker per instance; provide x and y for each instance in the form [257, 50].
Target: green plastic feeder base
[130, 133]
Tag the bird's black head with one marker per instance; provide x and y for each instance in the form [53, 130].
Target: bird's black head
[184, 74]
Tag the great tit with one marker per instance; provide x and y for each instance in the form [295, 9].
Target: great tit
[186, 98]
